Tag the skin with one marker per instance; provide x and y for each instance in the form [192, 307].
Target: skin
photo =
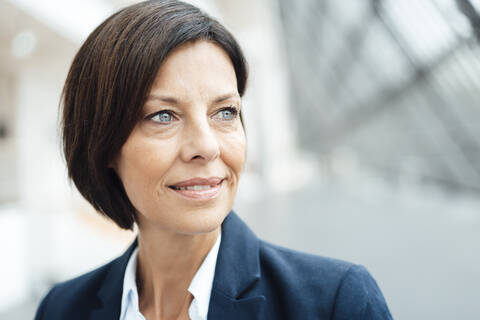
[198, 137]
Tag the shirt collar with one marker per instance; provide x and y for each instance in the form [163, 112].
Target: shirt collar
[200, 286]
[130, 293]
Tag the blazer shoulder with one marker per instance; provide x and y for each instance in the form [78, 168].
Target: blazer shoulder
[71, 296]
[330, 288]
[297, 264]
[359, 297]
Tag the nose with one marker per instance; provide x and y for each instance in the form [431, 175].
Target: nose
[200, 143]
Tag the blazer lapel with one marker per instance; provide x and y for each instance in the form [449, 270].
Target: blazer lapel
[235, 309]
[237, 270]
[110, 293]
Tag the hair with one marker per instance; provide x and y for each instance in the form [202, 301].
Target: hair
[108, 84]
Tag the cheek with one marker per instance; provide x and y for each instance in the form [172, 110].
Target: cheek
[142, 166]
[233, 150]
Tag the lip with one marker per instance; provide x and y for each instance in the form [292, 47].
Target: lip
[216, 184]
[198, 182]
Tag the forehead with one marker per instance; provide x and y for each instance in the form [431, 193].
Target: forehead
[200, 67]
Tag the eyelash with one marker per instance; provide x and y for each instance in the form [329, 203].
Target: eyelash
[232, 109]
[151, 116]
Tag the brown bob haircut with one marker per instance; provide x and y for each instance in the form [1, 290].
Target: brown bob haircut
[107, 86]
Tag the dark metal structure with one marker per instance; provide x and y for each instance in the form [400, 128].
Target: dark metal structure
[395, 82]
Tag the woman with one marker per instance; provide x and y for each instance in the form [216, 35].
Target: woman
[153, 135]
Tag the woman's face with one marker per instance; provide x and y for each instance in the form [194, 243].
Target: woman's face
[181, 164]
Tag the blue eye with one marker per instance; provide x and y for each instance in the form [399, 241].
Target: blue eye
[229, 113]
[162, 116]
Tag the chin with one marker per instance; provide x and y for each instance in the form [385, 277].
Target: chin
[202, 221]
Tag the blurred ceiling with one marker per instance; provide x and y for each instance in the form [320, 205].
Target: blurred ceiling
[396, 83]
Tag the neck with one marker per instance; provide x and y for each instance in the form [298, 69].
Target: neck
[167, 263]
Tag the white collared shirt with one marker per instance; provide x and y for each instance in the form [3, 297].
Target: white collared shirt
[200, 287]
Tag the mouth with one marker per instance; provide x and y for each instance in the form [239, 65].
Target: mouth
[198, 188]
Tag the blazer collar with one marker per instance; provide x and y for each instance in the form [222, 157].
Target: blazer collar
[110, 291]
[238, 264]
[237, 269]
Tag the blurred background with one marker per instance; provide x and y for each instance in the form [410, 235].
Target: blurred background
[363, 125]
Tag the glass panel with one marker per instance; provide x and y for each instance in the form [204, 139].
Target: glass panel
[383, 55]
[457, 21]
[421, 26]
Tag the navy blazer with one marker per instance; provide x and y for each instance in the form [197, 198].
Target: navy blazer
[253, 280]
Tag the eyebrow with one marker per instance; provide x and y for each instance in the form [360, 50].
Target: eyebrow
[172, 100]
[226, 97]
